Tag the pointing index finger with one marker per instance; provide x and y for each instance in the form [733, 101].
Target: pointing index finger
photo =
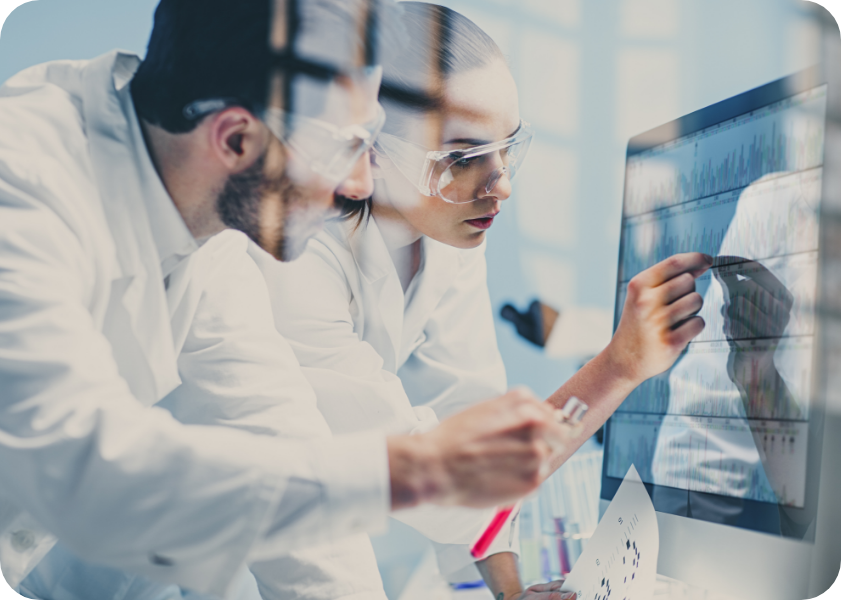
[695, 263]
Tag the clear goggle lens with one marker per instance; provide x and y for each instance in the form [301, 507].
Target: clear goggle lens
[465, 176]
[329, 151]
[457, 176]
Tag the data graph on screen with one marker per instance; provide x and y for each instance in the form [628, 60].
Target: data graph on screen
[774, 217]
[791, 303]
[783, 137]
[705, 388]
[678, 453]
[731, 416]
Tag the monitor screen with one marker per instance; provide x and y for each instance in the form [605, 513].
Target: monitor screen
[724, 435]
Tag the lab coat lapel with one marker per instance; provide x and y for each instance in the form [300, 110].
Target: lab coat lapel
[140, 281]
[380, 278]
[441, 265]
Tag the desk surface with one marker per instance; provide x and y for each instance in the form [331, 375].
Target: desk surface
[426, 583]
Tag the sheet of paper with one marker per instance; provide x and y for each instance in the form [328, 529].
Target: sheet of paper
[619, 561]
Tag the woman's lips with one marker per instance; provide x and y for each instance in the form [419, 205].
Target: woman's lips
[482, 222]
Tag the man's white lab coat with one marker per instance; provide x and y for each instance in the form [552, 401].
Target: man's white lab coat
[87, 347]
[236, 371]
[380, 359]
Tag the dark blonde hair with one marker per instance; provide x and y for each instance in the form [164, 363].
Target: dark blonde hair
[440, 42]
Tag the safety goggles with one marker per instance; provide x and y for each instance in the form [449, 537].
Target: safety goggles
[329, 151]
[457, 176]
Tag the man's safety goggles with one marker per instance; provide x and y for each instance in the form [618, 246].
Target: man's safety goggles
[330, 151]
[457, 176]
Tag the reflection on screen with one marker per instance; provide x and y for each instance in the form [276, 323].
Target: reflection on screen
[731, 417]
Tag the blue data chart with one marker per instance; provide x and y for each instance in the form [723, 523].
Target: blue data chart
[786, 136]
[707, 386]
[773, 217]
[790, 306]
[715, 455]
[731, 417]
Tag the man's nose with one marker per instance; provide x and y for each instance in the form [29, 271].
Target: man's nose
[359, 185]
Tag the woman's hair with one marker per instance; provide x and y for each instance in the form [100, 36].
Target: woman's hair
[439, 43]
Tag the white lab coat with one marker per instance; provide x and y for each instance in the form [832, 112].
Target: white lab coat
[236, 371]
[87, 346]
[380, 362]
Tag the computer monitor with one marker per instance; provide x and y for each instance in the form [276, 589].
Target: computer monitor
[728, 441]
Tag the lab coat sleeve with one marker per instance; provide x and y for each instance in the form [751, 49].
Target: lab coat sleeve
[126, 485]
[238, 371]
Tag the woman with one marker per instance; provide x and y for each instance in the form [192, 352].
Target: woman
[395, 328]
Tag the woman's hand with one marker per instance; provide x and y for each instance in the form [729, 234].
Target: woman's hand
[658, 319]
[544, 591]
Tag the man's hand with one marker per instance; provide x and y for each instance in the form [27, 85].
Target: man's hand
[487, 455]
[658, 318]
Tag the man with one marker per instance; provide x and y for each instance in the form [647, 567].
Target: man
[100, 212]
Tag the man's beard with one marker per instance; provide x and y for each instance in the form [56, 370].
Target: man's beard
[271, 211]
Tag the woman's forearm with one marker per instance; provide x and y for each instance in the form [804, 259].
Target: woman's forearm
[602, 384]
[659, 319]
[501, 573]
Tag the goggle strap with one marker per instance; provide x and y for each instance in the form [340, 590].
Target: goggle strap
[406, 157]
[426, 177]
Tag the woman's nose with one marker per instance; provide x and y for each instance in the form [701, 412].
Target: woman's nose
[499, 184]
[359, 185]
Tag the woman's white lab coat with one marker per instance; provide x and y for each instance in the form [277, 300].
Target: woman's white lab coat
[380, 359]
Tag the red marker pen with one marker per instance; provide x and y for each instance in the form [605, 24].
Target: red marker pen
[572, 413]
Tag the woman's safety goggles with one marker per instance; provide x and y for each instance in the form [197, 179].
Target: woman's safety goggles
[457, 176]
[329, 151]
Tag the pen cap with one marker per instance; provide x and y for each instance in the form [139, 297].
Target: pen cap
[573, 411]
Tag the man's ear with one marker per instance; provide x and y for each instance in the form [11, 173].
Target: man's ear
[237, 138]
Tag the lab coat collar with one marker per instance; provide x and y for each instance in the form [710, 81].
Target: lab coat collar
[376, 269]
[373, 260]
[131, 191]
[439, 268]
[367, 246]
[173, 239]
